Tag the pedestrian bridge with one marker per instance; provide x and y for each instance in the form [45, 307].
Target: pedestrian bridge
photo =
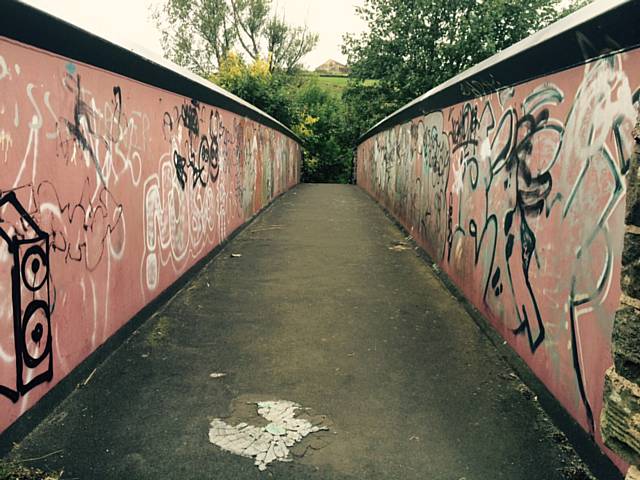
[177, 305]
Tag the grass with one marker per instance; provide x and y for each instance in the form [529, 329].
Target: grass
[334, 84]
[17, 471]
[159, 332]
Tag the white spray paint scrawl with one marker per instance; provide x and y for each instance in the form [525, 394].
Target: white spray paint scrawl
[268, 443]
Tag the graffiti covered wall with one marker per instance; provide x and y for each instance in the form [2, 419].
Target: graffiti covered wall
[110, 189]
[519, 196]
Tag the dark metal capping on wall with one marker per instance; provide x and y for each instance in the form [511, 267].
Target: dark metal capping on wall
[603, 28]
[31, 26]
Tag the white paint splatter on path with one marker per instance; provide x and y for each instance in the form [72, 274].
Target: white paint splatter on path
[265, 444]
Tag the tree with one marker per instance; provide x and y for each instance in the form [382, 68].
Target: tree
[316, 115]
[414, 45]
[321, 126]
[196, 34]
[271, 92]
[365, 103]
[200, 34]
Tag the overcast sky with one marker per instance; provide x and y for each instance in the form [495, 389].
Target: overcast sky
[130, 20]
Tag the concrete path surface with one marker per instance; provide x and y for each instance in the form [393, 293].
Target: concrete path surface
[327, 308]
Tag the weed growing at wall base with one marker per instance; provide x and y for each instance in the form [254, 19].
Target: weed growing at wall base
[15, 470]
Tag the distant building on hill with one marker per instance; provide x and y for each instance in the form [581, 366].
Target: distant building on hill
[332, 67]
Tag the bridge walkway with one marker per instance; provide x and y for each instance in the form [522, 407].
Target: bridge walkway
[323, 302]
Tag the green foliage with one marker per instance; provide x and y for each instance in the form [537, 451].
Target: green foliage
[365, 103]
[10, 470]
[196, 34]
[300, 103]
[334, 84]
[327, 158]
[200, 34]
[255, 83]
[414, 45]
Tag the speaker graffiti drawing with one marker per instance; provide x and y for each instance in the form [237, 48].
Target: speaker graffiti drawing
[27, 251]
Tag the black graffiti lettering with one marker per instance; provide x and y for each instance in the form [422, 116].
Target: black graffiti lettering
[87, 222]
[197, 171]
[189, 118]
[179, 162]
[117, 94]
[575, 356]
[203, 152]
[497, 166]
[83, 118]
[495, 283]
[214, 158]
[464, 130]
[204, 160]
[479, 88]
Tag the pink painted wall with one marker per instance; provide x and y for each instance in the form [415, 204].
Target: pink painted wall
[520, 197]
[109, 191]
